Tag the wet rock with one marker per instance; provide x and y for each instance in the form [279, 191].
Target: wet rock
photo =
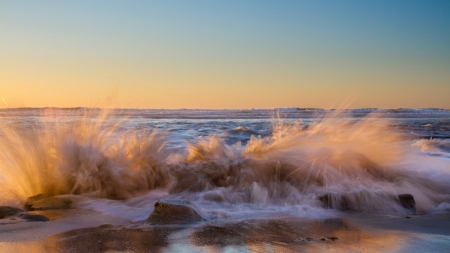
[326, 200]
[13, 213]
[343, 202]
[38, 197]
[173, 212]
[42, 202]
[32, 217]
[407, 201]
[335, 201]
[333, 238]
[6, 211]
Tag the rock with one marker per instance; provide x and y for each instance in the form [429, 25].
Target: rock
[42, 202]
[342, 202]
[173, 212]
[333, 238]
[335, 201]
[32, 217]
[38, 197]
[6, 211]
[407, 201]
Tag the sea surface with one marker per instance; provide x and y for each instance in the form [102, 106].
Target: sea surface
[230, 164]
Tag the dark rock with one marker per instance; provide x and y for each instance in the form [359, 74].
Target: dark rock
[173, 212]
[407, 201]
[6, 211]
[335, 201]
[326, 200]
[32, 217]
[333, 238]
[42, 202]
[38, 197]
[342, 202]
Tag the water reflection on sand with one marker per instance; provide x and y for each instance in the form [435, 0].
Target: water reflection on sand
[76, 230]
[281, 235]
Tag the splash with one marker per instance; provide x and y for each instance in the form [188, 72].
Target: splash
[359, 164]
[90, 156]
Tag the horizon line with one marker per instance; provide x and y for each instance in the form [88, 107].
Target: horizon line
[211, 109]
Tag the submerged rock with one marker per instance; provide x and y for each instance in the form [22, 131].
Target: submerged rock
[7, 211]
[407, 201]
[335, 201]
[32, 217]
[42, 202]
[12, 212]
[173, 212]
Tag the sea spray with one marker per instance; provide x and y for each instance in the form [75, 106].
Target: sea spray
[89, 156]
[357, 163]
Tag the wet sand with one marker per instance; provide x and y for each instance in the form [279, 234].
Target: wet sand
[79, 230]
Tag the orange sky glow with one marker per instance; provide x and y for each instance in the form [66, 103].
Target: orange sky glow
[224, 55]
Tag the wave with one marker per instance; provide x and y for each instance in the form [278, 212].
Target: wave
[364, 162]
[243, 130]
[434, 145]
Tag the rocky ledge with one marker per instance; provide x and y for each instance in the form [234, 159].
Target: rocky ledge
[42, 202]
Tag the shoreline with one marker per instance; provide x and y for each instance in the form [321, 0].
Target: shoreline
[84, 230]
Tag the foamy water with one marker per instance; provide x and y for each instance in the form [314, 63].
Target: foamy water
[228, 163]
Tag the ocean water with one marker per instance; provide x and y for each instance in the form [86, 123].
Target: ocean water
[231, 164]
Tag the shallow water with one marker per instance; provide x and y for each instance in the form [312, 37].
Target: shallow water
[356, 232]
[231, 164]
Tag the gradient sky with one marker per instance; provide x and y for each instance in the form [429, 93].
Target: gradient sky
[225, 54]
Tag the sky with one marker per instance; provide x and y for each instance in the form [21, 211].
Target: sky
[225, 54]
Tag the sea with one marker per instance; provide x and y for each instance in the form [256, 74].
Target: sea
[229, 164]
